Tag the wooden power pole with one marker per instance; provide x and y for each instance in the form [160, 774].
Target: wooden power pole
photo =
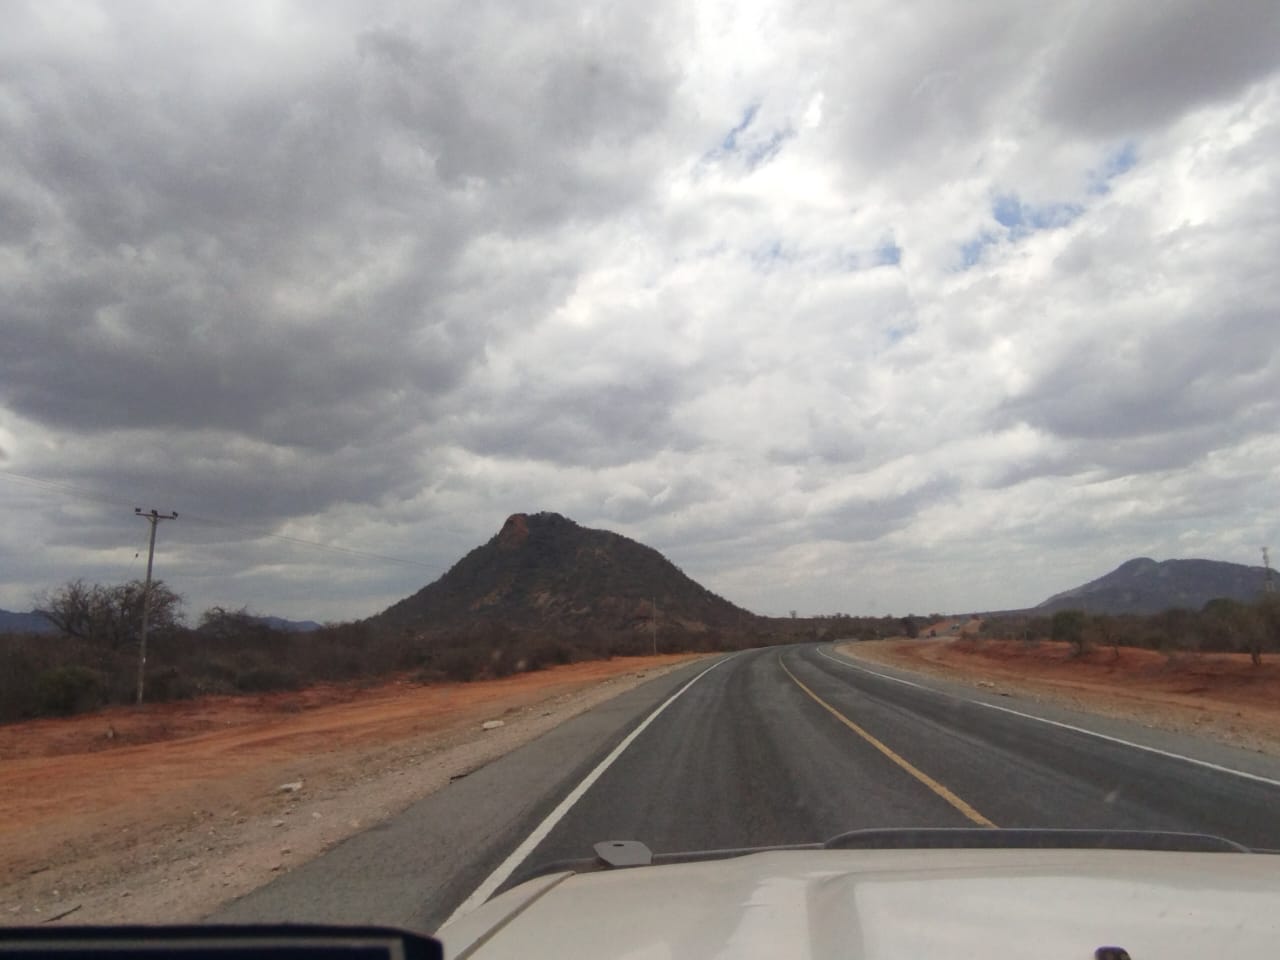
[152, 517]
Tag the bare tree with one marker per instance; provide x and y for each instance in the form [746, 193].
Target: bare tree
[219, 623]
[109, 615]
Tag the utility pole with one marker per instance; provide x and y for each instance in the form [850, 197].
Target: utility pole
[1267, 585]
[152, 517]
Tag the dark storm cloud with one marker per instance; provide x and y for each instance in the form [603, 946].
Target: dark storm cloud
[1125, 67]
[922, 89]
[1163, 397]
[553, 134]
[656, 499]
[311, 259]
[860, 519]
[381, 275]
[601, 423]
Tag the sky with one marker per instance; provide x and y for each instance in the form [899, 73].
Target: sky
[868, 307]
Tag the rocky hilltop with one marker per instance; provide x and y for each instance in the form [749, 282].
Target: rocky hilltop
[542, 571]
[1143, 585]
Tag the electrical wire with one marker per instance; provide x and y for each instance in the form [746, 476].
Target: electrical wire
[257, 532]
[60, 487]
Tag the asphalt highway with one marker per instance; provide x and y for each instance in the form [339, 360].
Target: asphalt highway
[767, 747]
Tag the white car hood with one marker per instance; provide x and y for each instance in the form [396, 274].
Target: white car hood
[891, 904]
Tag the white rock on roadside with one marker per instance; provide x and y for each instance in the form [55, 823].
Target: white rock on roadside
[293, 787]
[491, 725]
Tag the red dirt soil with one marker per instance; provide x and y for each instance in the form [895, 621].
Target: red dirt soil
[1219, 695]
[77, 787]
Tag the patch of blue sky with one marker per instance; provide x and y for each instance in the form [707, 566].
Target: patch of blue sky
[770, 254]
[888, 254]
[1019, 220]
[751, 146]
[1023, 218]
[971, 250]
[756, 154]
[730, 141]
[1007, 209]
[1118, 161]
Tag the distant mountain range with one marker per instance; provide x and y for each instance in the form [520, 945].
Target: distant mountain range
[1143, 585]
[543, 571]
[289, 626]
[32, 622]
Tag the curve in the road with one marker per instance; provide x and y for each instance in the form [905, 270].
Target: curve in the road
[767, 747]
[797, 746]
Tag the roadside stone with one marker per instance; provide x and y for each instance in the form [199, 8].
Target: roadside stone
[292, 787]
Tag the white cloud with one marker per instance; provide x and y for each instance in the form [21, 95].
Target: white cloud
[903, 306]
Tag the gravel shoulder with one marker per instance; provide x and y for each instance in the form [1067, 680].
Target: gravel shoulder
[164, 814]
[1216, 697]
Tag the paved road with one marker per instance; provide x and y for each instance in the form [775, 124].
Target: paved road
[775, 746]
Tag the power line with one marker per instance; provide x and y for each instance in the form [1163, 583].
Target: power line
[348, 551]
[257, 532]
[58, 486]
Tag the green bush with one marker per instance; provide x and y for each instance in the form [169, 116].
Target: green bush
[266, 679]
[169, 683]
[460, 664]
[70, 689]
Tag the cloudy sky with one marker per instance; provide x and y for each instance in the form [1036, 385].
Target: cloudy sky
[866, 307]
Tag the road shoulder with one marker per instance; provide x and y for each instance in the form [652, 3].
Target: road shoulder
[414, 869]
[182, 849]
[1126, 719]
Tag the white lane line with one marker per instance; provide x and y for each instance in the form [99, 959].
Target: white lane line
[1065, 726]
[517, 856]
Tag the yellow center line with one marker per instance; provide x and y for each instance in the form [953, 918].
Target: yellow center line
[920, 775]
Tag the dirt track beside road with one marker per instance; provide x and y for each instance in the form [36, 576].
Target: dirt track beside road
[162, 813]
